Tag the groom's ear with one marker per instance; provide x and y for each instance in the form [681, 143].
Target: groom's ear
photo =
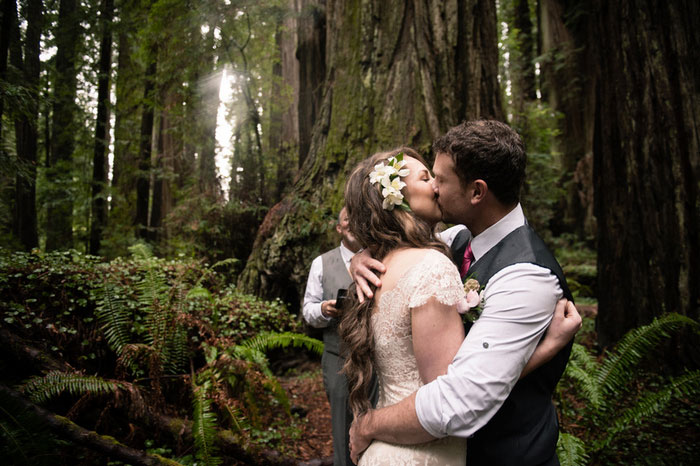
[479, 191]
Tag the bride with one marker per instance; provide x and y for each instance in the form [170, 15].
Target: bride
[409, 332]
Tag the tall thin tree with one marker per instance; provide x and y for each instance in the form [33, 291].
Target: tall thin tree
[99, 161]
[59, 227]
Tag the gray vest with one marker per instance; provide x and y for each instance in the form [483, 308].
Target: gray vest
[335, 276]
[525, 430]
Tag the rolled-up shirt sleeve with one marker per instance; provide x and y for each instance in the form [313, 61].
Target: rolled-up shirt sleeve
[313, 296]
[519, 303]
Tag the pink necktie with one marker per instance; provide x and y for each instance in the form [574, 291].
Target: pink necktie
[468, 259]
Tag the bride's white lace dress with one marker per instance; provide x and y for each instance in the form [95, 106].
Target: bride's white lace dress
[434, 276]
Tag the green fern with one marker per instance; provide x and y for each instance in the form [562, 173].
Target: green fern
[571, 450]
[634, 346]
[604, 384]
[582, 368]
[42, 388]
[271, 340]
[204, 427]
[687, 385]
[113, 315]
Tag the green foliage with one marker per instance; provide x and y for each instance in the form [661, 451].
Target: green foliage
[153, 317]
[610, 403]
[571, 450]
[41, 389]
[204, 427]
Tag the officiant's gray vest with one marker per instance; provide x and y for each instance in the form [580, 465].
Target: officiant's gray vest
[335, 276]
[525, 430]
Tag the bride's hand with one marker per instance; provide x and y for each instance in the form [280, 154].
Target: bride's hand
[362, 271]
[359, 441]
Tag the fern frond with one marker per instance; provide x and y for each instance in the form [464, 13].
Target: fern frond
[113, 315]
[582, 369]
[141, 250]
[42, 388]
[238, 419]
[616, 371]
[272, 340]
[247, 353]
[571, 450]
[204, 427]
[687, 385]
[199, 292]
[175, 354]
[229, 261]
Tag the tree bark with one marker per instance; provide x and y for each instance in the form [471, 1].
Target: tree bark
[143, 180]
[311, 65]
[397, 73]
[99, 161]
[129, 91]
[522, 64]
[9, 16]
[27, 132]
[568, 84]
[646, 162]
[59, 229]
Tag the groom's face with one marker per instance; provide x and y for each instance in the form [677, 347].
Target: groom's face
[451, 197]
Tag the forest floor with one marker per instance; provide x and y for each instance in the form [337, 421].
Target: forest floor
[314, 446]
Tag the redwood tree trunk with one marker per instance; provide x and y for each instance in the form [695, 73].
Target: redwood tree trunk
[27, 132]
[59, 228]
[397, 73]
[143, 181]
[568, 84]
[647, 162]
[99, 161]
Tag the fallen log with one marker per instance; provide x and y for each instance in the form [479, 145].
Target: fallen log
[67, 429]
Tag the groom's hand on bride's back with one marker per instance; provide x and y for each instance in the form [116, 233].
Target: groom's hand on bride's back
[364, 270]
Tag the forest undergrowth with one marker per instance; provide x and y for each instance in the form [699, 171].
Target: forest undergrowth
[144, 360]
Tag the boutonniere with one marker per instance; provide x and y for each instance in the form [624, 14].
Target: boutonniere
[471, 306]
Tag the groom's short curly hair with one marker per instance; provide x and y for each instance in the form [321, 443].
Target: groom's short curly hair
[488, 150]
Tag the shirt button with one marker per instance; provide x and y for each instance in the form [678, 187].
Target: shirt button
[486, 345]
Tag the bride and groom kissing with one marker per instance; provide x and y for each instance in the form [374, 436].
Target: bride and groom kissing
[487, 397]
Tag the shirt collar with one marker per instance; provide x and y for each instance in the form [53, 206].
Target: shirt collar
[345, 253]
[482, 243]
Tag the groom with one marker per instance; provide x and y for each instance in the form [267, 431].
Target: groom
[479, 171]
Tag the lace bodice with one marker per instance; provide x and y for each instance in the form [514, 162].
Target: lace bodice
[434, 276]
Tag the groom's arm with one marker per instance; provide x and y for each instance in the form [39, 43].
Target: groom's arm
[518, 308]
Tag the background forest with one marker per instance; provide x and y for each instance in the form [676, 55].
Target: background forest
[169, 169]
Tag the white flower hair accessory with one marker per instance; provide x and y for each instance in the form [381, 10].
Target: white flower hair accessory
[389, 176]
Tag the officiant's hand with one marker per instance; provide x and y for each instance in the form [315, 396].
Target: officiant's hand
[358, 440]
[328, 308]
[364, 270]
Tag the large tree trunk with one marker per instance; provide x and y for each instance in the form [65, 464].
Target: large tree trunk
[143, 181]
[569, 87]
[647, 162]
[99, 161]
[311, 66]
[27, 132]
[397, 73]
[522, 64]
[9, 16]
[59, 228]
[129, 91]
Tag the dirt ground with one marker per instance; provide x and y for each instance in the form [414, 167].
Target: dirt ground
[307, 395]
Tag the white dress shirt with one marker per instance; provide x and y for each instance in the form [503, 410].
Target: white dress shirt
[313, 297]
[518, 306]
[448, 236]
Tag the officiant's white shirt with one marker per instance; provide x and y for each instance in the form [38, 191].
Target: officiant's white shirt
[313, 296]
[519, 303]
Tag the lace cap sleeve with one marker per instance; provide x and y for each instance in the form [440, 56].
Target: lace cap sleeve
[435, 276]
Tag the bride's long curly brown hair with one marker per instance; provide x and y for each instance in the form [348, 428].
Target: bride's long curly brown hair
[380, 231]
